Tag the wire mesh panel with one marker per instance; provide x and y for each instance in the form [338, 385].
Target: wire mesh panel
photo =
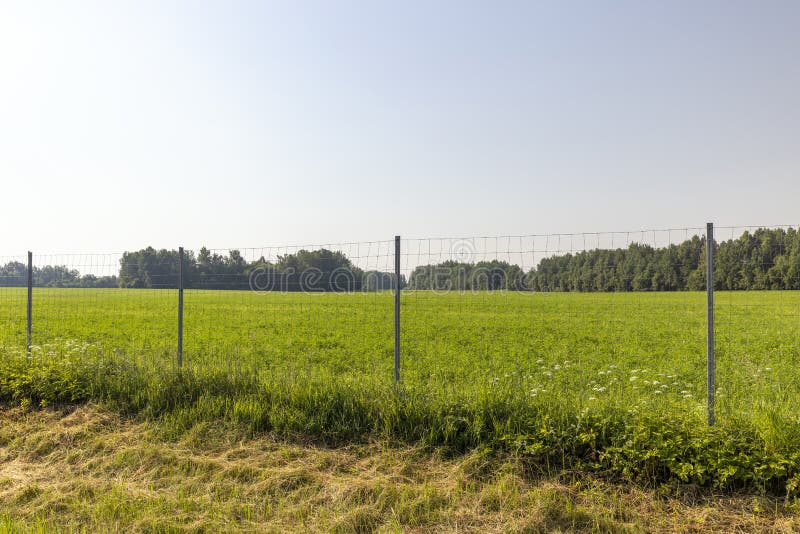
[13, 301]
[757, 321]
[120, 303]
[589, 315]
[292, 309]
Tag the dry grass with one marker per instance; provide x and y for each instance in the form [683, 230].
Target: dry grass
[87, 469]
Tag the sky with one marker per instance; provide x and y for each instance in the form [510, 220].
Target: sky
[246, 124]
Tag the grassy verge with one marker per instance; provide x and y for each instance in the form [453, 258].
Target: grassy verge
[87, 468]
[661, 444]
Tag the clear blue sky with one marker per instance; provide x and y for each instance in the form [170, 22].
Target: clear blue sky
[237, 124]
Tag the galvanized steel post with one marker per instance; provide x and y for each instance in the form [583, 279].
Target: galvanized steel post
[397, 308]
[180, 306]
[30, 300]
[711, 364]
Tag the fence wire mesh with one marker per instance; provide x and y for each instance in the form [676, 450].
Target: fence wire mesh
[295, 308]
[77, 300]
[595, 312]
[757, 317]
[496, 308]
[13, 300]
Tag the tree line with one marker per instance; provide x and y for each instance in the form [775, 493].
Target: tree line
[763, 259]
[305, 270]
[15, 274]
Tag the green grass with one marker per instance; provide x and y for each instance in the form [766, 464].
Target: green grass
[610, 383]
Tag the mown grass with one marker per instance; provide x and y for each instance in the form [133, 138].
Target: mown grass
[88, 469]
[604, 383]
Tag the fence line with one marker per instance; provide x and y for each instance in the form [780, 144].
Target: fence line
[218, 291]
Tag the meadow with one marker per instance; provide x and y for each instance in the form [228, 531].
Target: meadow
[607, 383]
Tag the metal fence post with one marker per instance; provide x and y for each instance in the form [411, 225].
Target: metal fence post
[30, 299]
[180, 306]
[397, 308]
[711, 364]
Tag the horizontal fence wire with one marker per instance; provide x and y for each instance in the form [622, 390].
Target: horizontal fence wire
[601, 315]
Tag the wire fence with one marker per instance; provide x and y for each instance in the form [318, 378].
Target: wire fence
[448, 310]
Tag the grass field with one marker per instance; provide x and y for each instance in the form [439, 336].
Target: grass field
[607, 383]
